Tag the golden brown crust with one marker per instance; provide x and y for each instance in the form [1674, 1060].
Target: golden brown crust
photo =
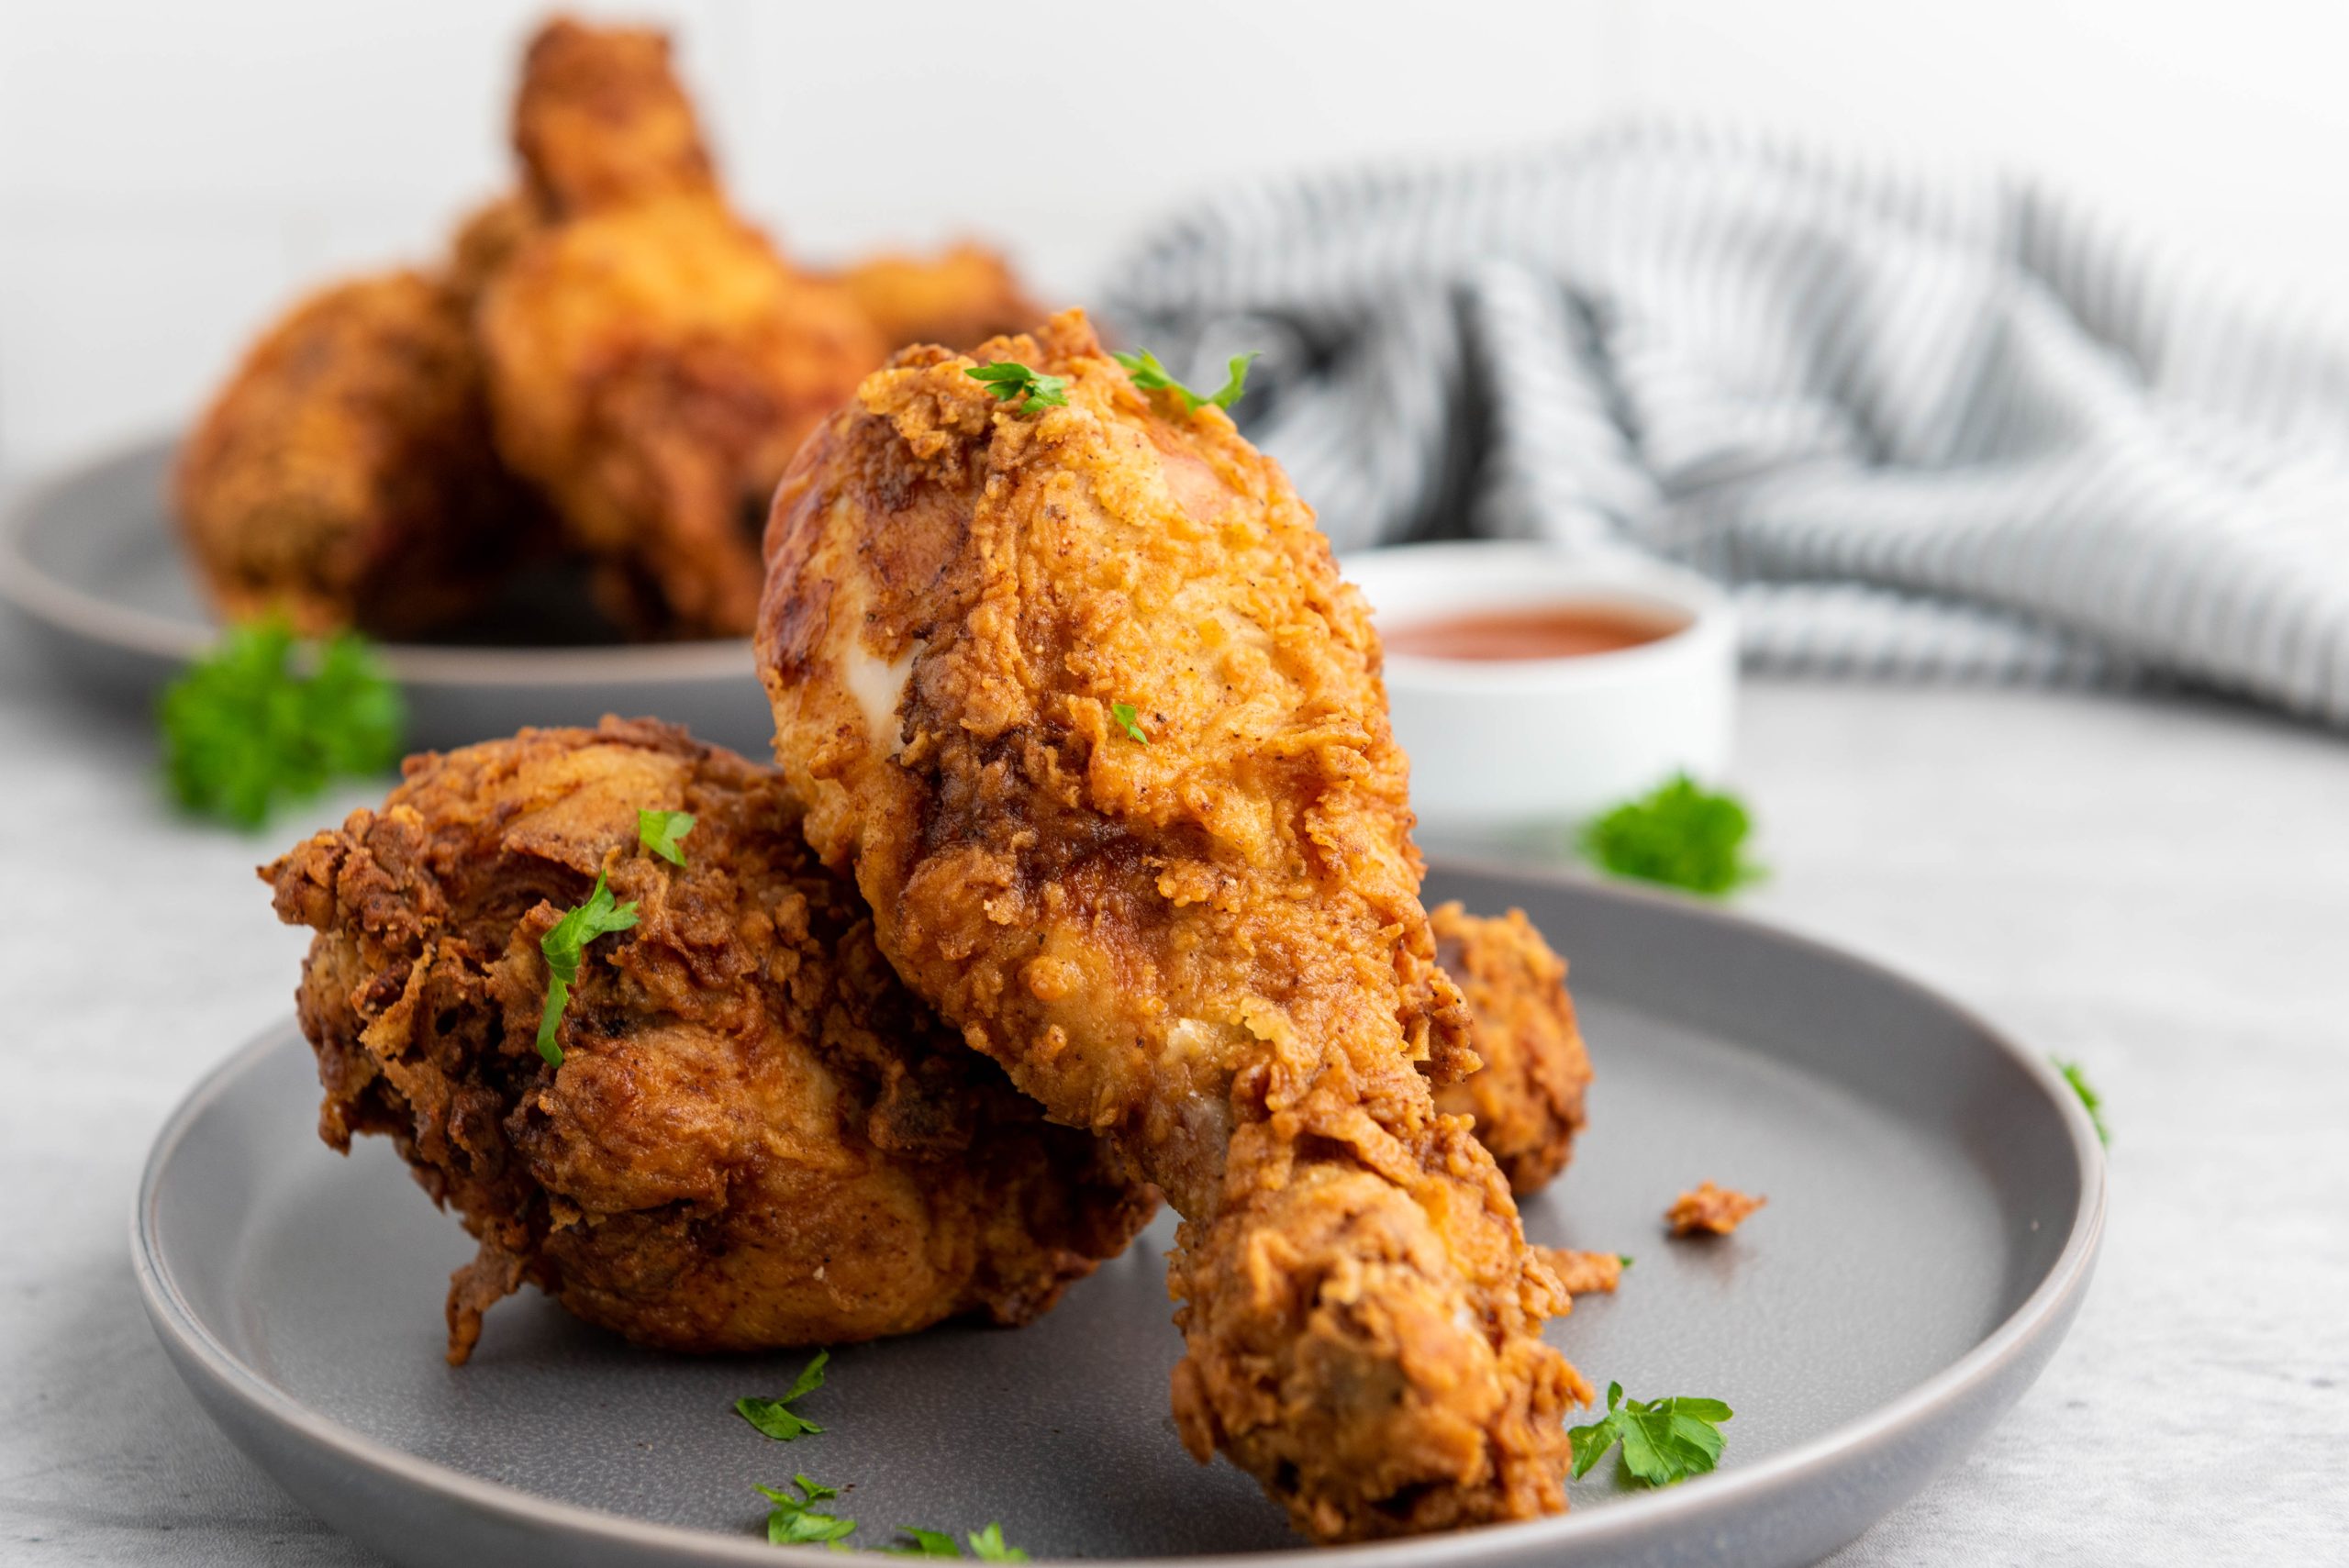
[1210, 945]
[1708, 1211]
[960, 298]
[756, 1137]
[344, 474]
[1584, 1274]
[602, 121]
[652, 362]
[1527, 1099]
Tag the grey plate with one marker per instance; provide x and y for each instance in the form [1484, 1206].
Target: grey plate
[91, 561]
[1936, 1196]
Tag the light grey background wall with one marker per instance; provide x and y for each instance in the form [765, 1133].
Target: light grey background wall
[172, 173]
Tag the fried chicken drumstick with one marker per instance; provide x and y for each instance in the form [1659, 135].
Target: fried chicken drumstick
[344, 475]
[1203, 939]
[756, 1137]
[652, 362]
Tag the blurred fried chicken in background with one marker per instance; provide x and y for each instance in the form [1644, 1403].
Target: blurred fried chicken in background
[1078, 695]
[959, 298]
[1528, 1097]
[756, 1137]
[344, 475]
[652, 363]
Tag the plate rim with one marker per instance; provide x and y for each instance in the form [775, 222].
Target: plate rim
[79, 613]
[2047, 1305]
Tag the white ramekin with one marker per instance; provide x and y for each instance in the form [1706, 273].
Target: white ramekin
[1504, 750]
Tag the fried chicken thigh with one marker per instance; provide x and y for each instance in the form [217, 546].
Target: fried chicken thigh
[652, 362]
[756, 1136]
[344, 475]
[1203, 939]
[1527, 1099]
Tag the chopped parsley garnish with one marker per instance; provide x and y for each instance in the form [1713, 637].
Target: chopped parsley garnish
[659, 831]
[1663, 1441]
[2075, 1076]
[775, 1416]
[1680, 834]
[1126, 718]
[794, 1520]
[1151, 376]
[262, 718]
[988, 1546]
[925, 1543]
[1624, 1259]
[565, 945]
[1009, 379]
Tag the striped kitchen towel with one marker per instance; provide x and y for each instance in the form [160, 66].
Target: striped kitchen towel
[1930, 423]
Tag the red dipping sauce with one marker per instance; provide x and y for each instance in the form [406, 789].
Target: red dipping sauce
[1541, 631]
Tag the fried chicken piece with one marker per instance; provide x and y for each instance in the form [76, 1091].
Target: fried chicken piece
[344, 476]
[488, 238]
[601, 121]
[1207, 944]
[652, 362]
[960, 298]
[1708, 1210]
[1527, 1100]
[756, 1136]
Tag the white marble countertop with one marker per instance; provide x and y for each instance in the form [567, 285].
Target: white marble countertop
[2157, 887]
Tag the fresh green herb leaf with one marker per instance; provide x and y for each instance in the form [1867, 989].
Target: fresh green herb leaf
[1146, 372]
[1664, 1440]
[775, 1416]
[1007, 379]
[925, 1543]
[565, 945]
[796, 1522]
[246, 728]
[1679, 834]
[2079, 1079]
[988, 1546]
[1624, 1259]
[1123, 715]
[658, 832]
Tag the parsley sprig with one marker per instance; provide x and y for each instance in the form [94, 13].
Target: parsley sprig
[658, 832]
[796, 1521]
[2077, 1077]
[1144, 369]
[775, 1416]
[1681, 835]
[1128, 718]
[264, 718]
[1663, 1441]
[986, 1545]
[565, 945]
[1009, 379]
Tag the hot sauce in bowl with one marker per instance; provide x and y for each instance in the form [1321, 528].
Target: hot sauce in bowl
[1560, 630]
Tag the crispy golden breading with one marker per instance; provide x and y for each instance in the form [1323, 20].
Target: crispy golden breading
[344, 474]
[960, 298]
[1207, 944]
[652, 362]
[1528, 1097]
[602, 121]
[756, 1137]
[1708, 1210]
[1584, 1274]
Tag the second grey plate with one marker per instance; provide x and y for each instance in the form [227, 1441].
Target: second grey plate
[91, 561]
[1935, 1201]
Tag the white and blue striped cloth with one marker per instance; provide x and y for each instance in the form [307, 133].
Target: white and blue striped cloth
[1930, 423]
